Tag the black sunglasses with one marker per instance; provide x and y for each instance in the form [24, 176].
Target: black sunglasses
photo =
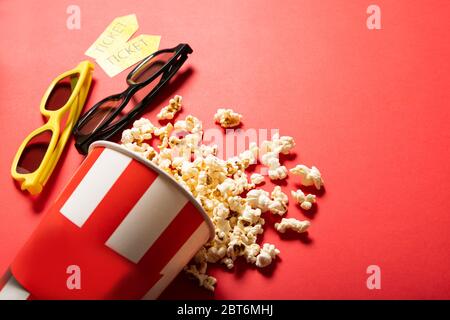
[110, 115]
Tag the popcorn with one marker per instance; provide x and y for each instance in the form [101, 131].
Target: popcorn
[267, 254]
[163, 134]
[142, 130]
[238, 242]
[227, 187]
[191, 124]
[204, 280]
[135, 134]
[279, 202]
[282, 144]
[278, 173]
[257, 198]
[189, 171]
[278, 195]
[271, 155]
[205, 150]
[221, 223]
[251, 252]
[250, 215]
[292, 224]
[220, 186]
[256, 178]
[278, 144]
[308, 177]
[228, 262]
[237, 204]
[144, 149]
[168, 112]
[277, 208]
[227, 118]
[144, 126]
[254, 231]
[217, 252]
[305, 201]
[271, 160]
[250, 156]
[127, 137]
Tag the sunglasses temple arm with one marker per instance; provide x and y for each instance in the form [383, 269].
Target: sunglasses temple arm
[174, 68]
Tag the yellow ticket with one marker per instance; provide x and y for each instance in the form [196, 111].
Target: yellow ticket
[116, 34]
[124, 56]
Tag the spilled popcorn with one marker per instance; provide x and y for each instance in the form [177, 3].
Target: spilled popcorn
[305, 201]
[266, 255]
[308, 177]
[279, 202]
[292, 224]
[227, 118]
[222, 187]
[271, 155]
[168, 112]
[257, 178]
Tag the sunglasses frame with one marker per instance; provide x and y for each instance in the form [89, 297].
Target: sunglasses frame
[34, 181]
[107, 129]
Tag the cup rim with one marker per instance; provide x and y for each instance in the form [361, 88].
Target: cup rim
[119, 148]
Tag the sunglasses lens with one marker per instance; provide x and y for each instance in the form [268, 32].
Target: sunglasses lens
[99, 116]
[151, 67]
[61, 92]
[34, 153]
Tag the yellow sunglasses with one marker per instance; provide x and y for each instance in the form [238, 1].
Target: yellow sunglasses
[39, 153]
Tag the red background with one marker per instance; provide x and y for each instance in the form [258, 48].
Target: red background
[369, 108]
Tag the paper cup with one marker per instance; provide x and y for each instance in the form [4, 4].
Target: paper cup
[121, 229]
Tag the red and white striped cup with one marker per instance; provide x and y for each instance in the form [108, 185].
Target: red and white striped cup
[121, 223]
